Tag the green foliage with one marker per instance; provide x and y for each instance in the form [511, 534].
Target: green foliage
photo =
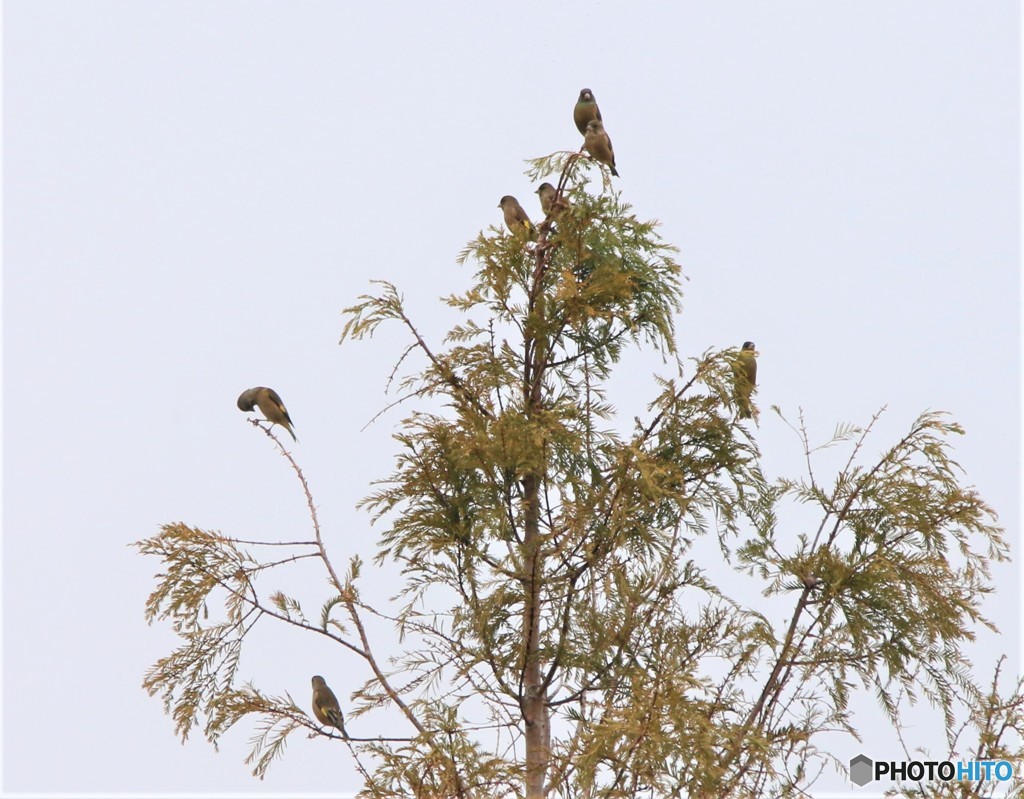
[194, 677]
[991, 729]
[561, 628]
[196, 682]
[891, 601]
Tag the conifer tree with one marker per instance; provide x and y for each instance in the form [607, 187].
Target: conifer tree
[561, 629]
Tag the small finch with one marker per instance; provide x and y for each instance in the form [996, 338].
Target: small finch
[599, 145]
[746, 378]
[269, 403]
[550, 203]
[515, 216]
[585, 110]
[325, 705]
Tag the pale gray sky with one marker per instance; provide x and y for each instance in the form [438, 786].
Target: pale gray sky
[194, 190]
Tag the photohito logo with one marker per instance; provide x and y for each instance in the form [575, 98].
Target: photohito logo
[863, 770]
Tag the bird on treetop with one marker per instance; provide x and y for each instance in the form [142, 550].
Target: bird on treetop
[515, 217]
[548, 202]
[597, 143]
[746, 378]
[585, 110]
[269, 404]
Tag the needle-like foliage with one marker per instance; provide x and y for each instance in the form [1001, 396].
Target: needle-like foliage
[563, 627]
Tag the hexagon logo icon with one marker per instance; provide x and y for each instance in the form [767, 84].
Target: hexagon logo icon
[860, 770]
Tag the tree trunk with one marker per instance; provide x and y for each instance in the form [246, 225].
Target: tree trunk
[533, 699]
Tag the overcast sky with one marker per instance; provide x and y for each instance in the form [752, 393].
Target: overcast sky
[194, 190]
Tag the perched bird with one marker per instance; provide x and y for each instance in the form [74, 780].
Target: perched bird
[325, 705]
[548, 202]
[597, 143]
[586, 109]
[269, 403]
[515, 216]
[547, 193]
[746, 378]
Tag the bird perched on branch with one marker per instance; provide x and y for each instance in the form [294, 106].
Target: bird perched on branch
[515, 217]
[586, 109]
[550, 202]
[745, 373]
[597, 143]
[269, 404]
[326, 707]
[547, 193]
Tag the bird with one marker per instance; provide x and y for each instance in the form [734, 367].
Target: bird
[325, 705]
[515, 216]
[585, 110]
[745, 372]
[269, 403]
[548, 202]
[597, 143]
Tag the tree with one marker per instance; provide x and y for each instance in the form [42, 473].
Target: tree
[557, 633]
